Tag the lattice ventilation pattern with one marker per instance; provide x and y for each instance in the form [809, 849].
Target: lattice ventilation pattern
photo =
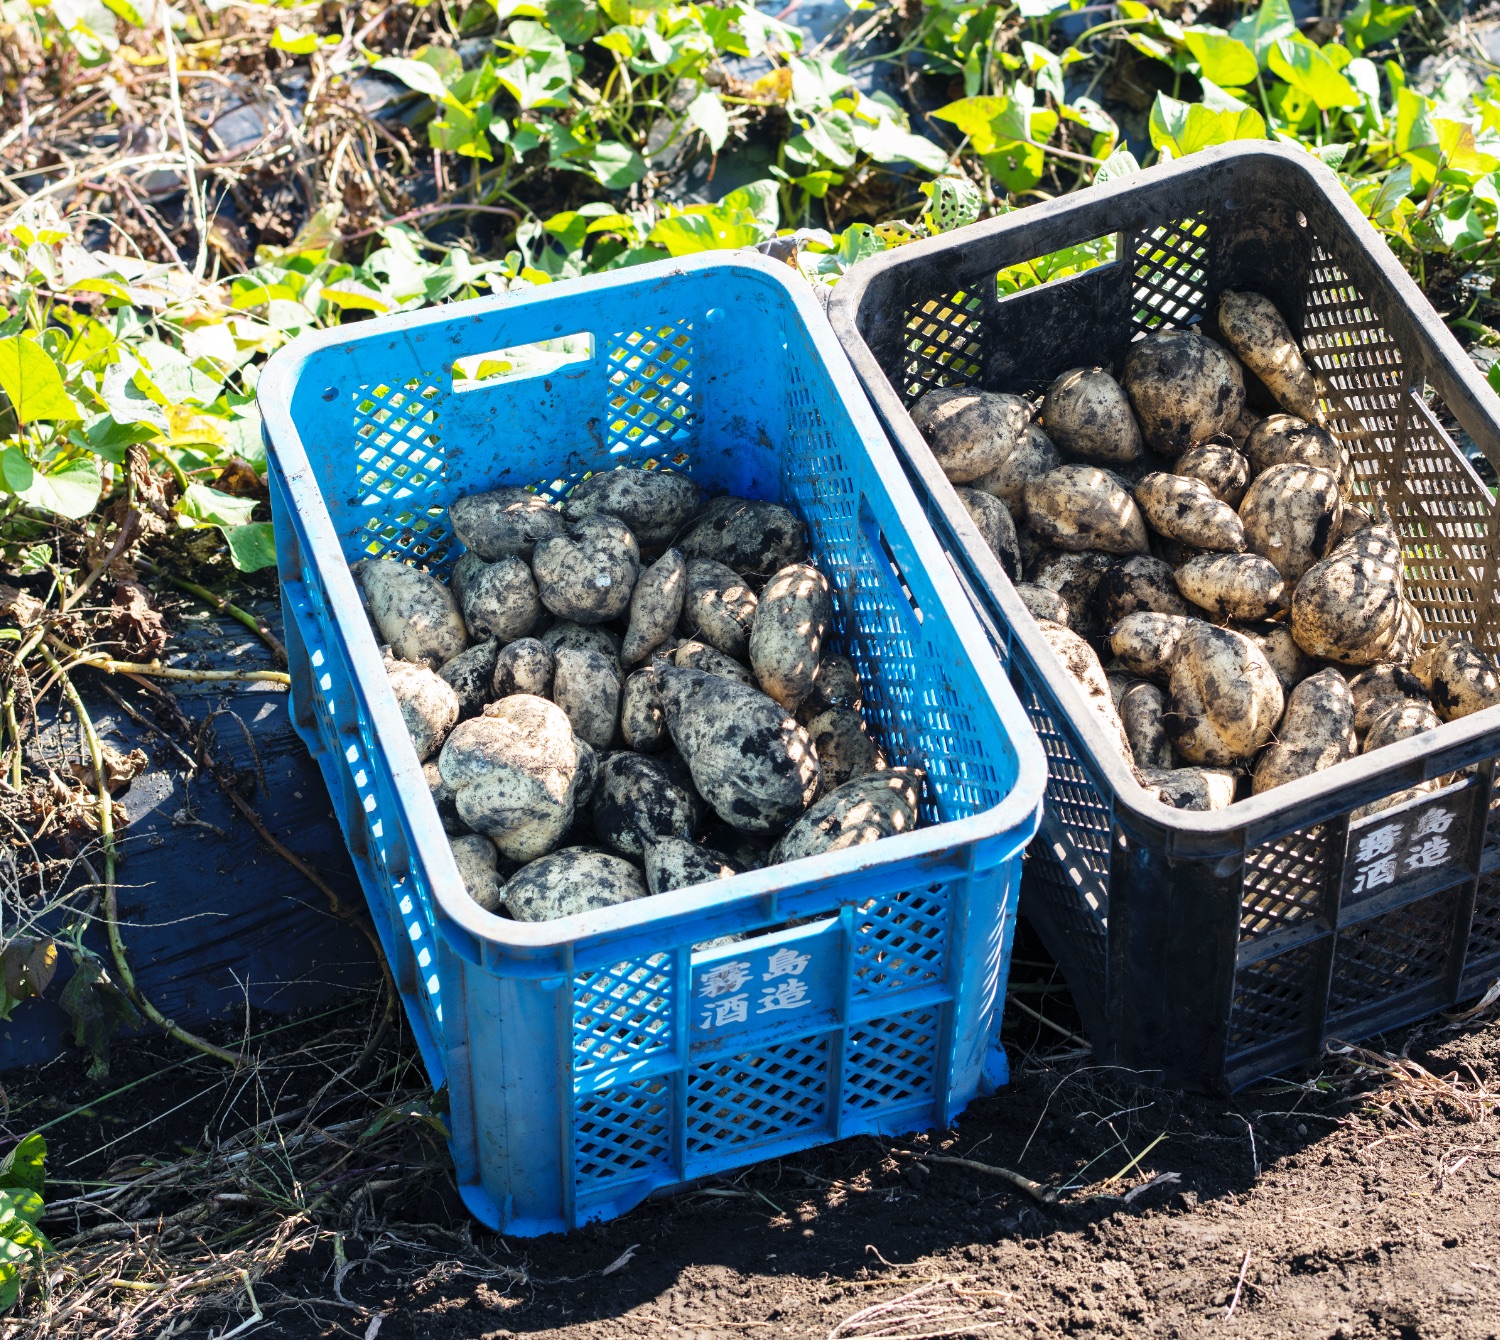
[758, 1097]
[1392, 954]
[1271, 998]
[891, 1062]
[1484, 933]
[1286, 881]
[911, 703]
[650, 406]
[1401, 455]
[902, 940]
[621, 1014]
[622, 1132]
[1171, 278]
[1073, 799]
[399, 470]
[942, 343]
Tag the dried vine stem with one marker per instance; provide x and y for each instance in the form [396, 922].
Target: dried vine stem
[107, 838]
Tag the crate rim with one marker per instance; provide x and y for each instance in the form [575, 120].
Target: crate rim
[1286, 808]
[1017, 815]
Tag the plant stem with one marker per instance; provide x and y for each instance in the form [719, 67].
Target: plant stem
[155, 669]
[107, 838]
[253, 622]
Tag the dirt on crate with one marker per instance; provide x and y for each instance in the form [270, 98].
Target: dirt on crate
[1358, 1200]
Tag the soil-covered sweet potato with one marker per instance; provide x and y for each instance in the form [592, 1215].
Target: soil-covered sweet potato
[1223, 469]
[995, 525]
[525, 666]
[588, 574]
[1284, 439]
[789, 629]
[1349, 606]
[1042, 603]
[1287, 659]
[513, 772]
[1079, 507]
[1316, 732]
[836, 683]
[1187, 511]
[751, 761]
[503, 522]
[471, 674]
[1076, 577]
[877, 805]
[500, 601]
[1256, 331]
[1191, 788]
[1081, 663]
[719, 607]
[1379, 687]
[1183, 387]
[1291, 515]
[845, 751]
[573, 880]
[751, 537]
[442, 798]
[1233, 586]
[1399, 719]
[412, 611]
[643, 723]
[1087, 414]
[586, 685]
[637, 803]
[674, 863]
[429, 706]
[476, 858]
[1146, 643]
[1224, 699]
[1032, 456]
[971, 432]
[655, 504]
[1140, 582]
[1459, 678]
[655, 606]
[695, 655]
[587, 637]
[1141, 709]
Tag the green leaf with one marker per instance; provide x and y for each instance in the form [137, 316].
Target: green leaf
[1267, 26]
[616, 166]
[23, 1166]
[887, 142]
[251, 547]
[71, 491]
[574, 21]
[760, 198]
[1224, 59]
[1180, 128]
[32, 382]
[97, 1008]
[707, 228]
[707, 112]
[415, 74]
[1372, 22]
[16, 473]
[1121, 163]
[1310, 72]
[541, 73]
[1493, 376]
[176, 376]
[292, 41]
[201, 505]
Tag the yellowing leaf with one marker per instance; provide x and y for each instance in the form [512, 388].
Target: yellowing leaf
[32, 382]
[189, 426]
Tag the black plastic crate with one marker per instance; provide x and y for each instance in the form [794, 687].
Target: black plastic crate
[1216, 948]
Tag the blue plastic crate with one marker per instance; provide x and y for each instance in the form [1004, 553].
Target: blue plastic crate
[594, 1059]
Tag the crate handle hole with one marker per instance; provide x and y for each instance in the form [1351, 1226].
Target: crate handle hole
[474, 372]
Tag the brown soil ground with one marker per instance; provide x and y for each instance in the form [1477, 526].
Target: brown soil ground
[1359, 1201]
